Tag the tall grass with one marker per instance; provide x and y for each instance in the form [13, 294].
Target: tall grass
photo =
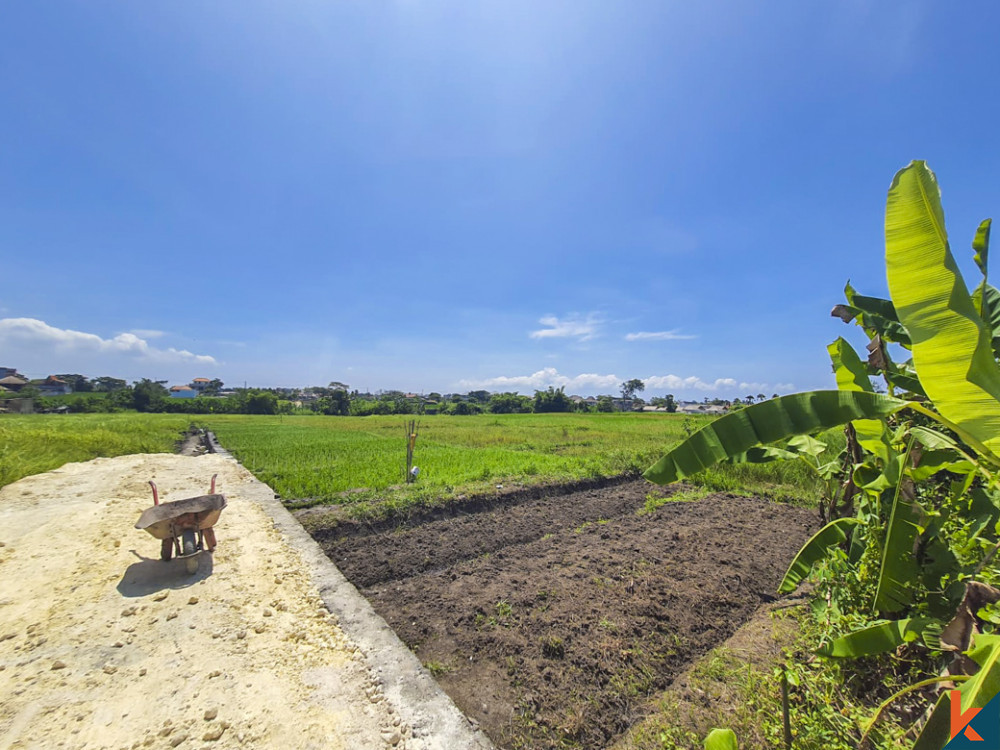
[34, 443]
[315, 459]
[318, 460]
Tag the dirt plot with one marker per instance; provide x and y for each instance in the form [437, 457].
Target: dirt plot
[551, 618]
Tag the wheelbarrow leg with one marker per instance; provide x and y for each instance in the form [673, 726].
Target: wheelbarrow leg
[166, 549]
[209, 539]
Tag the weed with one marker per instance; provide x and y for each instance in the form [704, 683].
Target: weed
[512, 665]
[553, 647]
[437, 668]
[655, 501]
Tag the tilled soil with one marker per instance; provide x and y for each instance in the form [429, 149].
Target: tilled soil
[549, 617]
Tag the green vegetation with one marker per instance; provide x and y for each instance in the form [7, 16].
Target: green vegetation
[655, 500]
[738, 685]
[437, 668]
[906, 563]
[314, 460]
[35, 443]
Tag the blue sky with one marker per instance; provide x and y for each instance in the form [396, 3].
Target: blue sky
[446, 196]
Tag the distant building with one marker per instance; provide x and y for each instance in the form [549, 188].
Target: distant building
[182, 391]
[6, 372]
[200, 384]
[693, 407]
[53, 386]
[13, 382]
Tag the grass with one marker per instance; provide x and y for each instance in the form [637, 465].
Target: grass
[655, 500]
[311, 460]
[437, 668]
[738, 685]
[317, 460]
[35, 443]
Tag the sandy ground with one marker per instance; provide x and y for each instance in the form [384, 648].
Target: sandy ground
[102, 645]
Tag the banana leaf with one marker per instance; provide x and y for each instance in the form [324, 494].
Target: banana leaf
[879, 638]
[903, 377]
[852, 375]
[981, 244]
[931, 462]
[762, 454]
[986, 298]
[768, 422]
[933, 439]
[876, 315]
[797, 447]
[976, 692]
[952, 348]
[806, 445]
[815, 549]
[899, 570]
[721, 739]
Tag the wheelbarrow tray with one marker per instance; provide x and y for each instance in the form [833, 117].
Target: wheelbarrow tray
[159, 519]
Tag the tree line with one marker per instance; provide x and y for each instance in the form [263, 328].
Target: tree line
[110, 394]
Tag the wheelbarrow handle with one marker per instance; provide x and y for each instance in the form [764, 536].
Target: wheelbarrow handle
[212, 491]
[156, 495]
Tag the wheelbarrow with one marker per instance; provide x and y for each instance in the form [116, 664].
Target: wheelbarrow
[184, 527]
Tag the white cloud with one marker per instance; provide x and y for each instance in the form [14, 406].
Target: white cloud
[690, 383]
[596, 383]
[784, 387]
[146, 333]
[754, 387]
[40, 334]
[658, 336]
[544, 378]
[580, 327]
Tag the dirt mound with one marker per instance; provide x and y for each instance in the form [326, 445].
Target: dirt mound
[551, 620]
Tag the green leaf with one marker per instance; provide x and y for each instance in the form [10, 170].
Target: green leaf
[762, 454]
[933, 439]
[931, 462]
[831, 535]
[899, 566]
[879, 638]
[876, 315]
[986, 300]
[797, 447]
[721, 739]
[852, 375]
[806, 445]
[850, 371]
[767, 422]
[952, 348]
[937, 731]
[976, 692]
[904, 378]
[981, 244]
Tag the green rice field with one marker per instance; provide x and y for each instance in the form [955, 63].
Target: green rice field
[34, 443]
[310, 460]
[316, 460]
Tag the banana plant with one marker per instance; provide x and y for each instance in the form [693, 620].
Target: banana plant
[941, 413]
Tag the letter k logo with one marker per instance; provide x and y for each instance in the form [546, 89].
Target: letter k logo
[960, 720]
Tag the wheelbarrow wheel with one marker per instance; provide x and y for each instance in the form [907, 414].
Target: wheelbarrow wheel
[166, 549]
[189, 547]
